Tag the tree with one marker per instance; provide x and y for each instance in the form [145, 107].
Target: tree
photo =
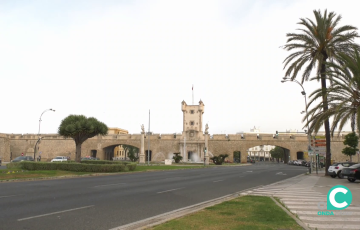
[177, 157]
[343, 95]
[277, 153]
[131, 151]
[218, 160]
[352, 141]
[80, 128]
[318, 43]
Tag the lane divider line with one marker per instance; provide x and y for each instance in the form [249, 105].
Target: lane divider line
[170, 190]
[217, 181]
[108, 185]
[52, 213]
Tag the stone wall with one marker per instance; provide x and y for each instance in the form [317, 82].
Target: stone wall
[4, 149]
[162, 146]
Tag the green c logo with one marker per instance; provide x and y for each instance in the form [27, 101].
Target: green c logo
[339, 197]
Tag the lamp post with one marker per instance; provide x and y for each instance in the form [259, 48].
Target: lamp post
[39, 129]
[41, 116]
[307, 118]
[35, 146]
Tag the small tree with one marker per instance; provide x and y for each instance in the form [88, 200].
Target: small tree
[177, 157]
[277, 153]
[218, 160]
[131, 153]
[352, 141]
[80, 128]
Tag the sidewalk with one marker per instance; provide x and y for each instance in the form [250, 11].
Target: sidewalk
[302, 194]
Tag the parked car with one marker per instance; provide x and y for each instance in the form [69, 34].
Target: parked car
[59, 159]
[23, 158]
[0, 162]
[335, 170]
[89, 158]
[250, 161]
[352, 173]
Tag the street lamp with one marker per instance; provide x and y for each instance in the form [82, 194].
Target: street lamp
[39, 129]
[307, 118]
[41, 116]
[35, 146]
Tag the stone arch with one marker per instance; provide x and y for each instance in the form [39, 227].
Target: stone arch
[285, 146]
[108, 153]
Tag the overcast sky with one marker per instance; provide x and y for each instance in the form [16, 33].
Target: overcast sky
[115, 60]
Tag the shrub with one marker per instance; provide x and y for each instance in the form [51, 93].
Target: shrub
[13, 165]
[102, 162]
[131, 167]
[177, 157]
[218, 160]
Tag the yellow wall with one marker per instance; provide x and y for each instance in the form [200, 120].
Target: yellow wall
[117, 131]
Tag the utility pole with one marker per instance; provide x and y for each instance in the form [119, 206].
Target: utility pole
[149, 141]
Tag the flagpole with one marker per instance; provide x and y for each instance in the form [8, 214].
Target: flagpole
[148, 156]
[192, 94]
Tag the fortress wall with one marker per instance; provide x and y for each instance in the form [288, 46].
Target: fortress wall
[49, 147]
[4, 149]
[54, 145]
[167, 137]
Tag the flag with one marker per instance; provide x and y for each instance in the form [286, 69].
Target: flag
[192, 88]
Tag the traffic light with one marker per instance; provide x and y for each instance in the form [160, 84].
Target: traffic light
[205, 150]
[277, 133]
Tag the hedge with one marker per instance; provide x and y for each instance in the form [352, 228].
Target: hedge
[13, 165]
[105, 162]
[76, 167]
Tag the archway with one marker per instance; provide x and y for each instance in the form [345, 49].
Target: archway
[237, 156]
[93, 153]
[148, 154]
[121, 152]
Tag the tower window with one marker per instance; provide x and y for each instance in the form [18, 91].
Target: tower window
[191, 123]
[192, 111]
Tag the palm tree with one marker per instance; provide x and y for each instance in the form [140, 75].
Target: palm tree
[80, 128]
[343, 96]
[317, 44]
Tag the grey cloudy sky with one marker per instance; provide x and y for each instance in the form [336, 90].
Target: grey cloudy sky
[115, 60]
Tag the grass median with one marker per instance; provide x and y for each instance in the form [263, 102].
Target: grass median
[16, 173]
[247, 212]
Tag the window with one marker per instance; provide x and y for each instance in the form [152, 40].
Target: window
[191, 123]
[192, 111]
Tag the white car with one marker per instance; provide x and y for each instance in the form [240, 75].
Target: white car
[59, 159]
[336, 168]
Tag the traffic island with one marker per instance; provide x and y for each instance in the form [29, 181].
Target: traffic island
[246, 212]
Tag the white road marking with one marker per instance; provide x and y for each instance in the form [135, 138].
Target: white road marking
[249, 171]
[108, 185]
[170, 190]
[52, 213]
[217, 181]
[11, 195]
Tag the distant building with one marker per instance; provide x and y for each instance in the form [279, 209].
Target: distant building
[117, 131]
[259, 153]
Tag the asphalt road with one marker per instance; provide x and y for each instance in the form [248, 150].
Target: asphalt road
[106, 202]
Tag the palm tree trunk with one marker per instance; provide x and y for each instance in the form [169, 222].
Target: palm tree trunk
[326, 123]
[78, 152]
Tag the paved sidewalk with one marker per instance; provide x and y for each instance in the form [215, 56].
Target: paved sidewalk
[302, 194]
